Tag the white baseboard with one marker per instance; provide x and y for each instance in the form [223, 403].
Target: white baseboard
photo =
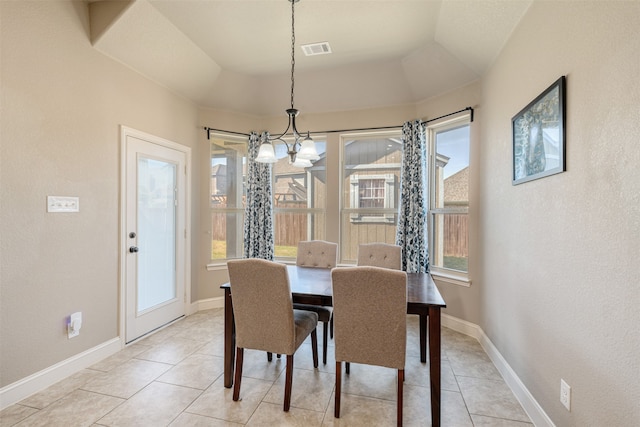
[535, 412]
[462, 326]
[207, 304]
[32, 384]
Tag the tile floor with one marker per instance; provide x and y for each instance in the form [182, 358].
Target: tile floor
[175, 378]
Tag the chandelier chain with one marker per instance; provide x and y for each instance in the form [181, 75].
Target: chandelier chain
[301, 150]
[293, 44]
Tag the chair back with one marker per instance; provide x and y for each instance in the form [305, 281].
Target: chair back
[370, 315]
[380, 255]
[262, 305]
[317, 254]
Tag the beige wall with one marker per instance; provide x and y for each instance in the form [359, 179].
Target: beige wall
[559, 268]
[62, 106]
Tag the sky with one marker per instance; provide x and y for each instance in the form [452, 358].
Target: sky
[454, 144]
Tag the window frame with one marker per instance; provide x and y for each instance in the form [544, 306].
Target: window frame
[365, 216]
[238, 210]
[310, 212]
[448, 275]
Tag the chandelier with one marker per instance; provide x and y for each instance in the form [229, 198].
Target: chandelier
[302, 150]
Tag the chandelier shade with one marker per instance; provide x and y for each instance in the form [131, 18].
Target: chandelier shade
[266, 154]
[300, 149]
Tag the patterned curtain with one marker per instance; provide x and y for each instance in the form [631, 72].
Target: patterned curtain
[258, 212]
[411, 234]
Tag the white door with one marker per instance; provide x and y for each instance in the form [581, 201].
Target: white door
[154, 233]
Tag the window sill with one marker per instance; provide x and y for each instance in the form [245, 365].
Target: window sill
[453, 279]
[217, 266]
[222, 265]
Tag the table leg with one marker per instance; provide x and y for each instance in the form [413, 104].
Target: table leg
[434, 364]
[423, 338]
[229, 339]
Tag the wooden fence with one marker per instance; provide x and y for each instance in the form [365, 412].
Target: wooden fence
[291, 227]
[456, 232]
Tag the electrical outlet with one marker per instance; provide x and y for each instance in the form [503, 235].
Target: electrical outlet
[565, 394]
[74, 325]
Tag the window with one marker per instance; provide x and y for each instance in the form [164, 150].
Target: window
[227, 189]
[298, 199]
[368, 196]
[449, 198]
[370, 185]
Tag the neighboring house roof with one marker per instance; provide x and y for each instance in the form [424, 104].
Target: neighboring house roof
[298, 189]
[283, 167]
[456, 187]
[218, 169]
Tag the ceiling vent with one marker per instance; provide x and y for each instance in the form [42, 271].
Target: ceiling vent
[316, 48]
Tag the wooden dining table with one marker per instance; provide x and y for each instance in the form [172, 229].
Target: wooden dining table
[313, 286]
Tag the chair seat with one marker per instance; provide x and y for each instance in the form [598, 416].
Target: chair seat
[323, 312]
[305, 323]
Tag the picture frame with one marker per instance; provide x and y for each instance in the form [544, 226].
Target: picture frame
[538, 135]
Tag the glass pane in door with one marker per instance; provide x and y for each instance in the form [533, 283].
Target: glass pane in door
[156, 233]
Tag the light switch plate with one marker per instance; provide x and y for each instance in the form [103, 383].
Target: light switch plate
[63, 204]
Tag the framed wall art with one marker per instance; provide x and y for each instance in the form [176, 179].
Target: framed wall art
[538, 133]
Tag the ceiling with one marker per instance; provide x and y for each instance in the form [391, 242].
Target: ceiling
[236, 54]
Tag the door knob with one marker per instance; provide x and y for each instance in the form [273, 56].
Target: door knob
[133, 249]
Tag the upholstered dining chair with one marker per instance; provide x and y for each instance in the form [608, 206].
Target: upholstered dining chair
[265, 318]
[370, 322]
[380, 255]
[318, 254]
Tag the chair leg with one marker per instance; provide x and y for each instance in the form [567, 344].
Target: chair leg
[287, 383]
[314, 347]
[269, 356]
[325, 338]
[347, 368]
[336, 405]
[236, 382]
[400, 394]
[331, 326]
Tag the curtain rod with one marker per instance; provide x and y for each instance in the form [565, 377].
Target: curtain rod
[396, 127]
[208, 129]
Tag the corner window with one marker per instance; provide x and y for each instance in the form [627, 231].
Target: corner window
[298, 199]
[227, 195]
[449, 198]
